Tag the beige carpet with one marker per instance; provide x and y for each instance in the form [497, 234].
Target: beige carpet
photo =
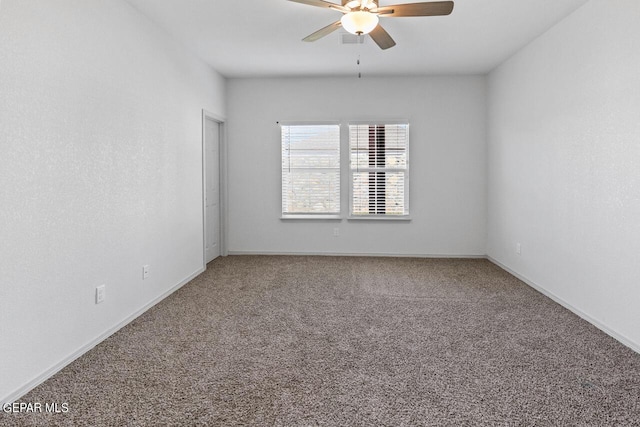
[299, 341]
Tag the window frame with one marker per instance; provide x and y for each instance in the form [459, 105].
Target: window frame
[311, 215]
[406, 191]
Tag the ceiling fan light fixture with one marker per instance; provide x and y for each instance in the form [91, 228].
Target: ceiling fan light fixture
[359, 22]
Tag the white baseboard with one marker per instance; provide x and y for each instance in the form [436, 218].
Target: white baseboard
[17, 394]
[363, 254]
[595, 322]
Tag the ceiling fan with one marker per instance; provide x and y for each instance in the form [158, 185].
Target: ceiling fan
[361, 17]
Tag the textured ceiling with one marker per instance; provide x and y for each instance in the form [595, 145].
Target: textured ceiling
[247, 38]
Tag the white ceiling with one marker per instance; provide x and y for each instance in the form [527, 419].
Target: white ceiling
[247, 38]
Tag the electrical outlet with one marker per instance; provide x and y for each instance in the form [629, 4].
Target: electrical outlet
[100, 293]
[518, 248]
[145, 271]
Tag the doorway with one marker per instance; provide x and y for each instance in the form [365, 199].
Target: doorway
[212, 177]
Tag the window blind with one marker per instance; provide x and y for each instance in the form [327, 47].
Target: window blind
[379, 158]
[310, 169]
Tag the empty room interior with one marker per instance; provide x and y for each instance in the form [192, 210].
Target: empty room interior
[308, 212]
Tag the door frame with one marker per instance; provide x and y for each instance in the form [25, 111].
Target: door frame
[222, 158]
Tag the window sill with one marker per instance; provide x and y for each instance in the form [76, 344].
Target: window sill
[379, 218]
[308, 217]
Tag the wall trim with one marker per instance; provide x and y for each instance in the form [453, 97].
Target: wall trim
[595, 322]
[360, 254]
[48, 373]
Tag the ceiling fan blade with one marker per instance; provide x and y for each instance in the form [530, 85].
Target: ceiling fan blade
[325, 4]
[382, 38]
[435, 8]
[323, 32]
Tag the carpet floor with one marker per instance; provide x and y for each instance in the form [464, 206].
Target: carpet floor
[349, 341]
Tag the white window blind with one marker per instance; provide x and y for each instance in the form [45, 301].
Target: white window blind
[379, 156]
[310, 169]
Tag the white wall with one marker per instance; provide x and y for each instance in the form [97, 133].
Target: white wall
[564, 164]
[100, 173]
[447, 149]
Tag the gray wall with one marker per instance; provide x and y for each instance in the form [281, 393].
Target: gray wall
[563, 162]
[100, 172]
[447, 164]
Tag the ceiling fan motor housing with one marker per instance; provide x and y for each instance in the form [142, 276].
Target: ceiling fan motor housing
[361, 5]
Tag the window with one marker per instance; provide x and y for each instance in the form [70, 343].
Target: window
[310, 170]
[379, 170]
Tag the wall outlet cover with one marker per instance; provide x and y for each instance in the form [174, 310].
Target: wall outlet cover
[100, 293]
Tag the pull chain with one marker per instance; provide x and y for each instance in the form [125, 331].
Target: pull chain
[359, 44]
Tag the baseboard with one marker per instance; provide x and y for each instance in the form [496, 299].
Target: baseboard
[362, 254]
[595, 322]
[85, 348]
